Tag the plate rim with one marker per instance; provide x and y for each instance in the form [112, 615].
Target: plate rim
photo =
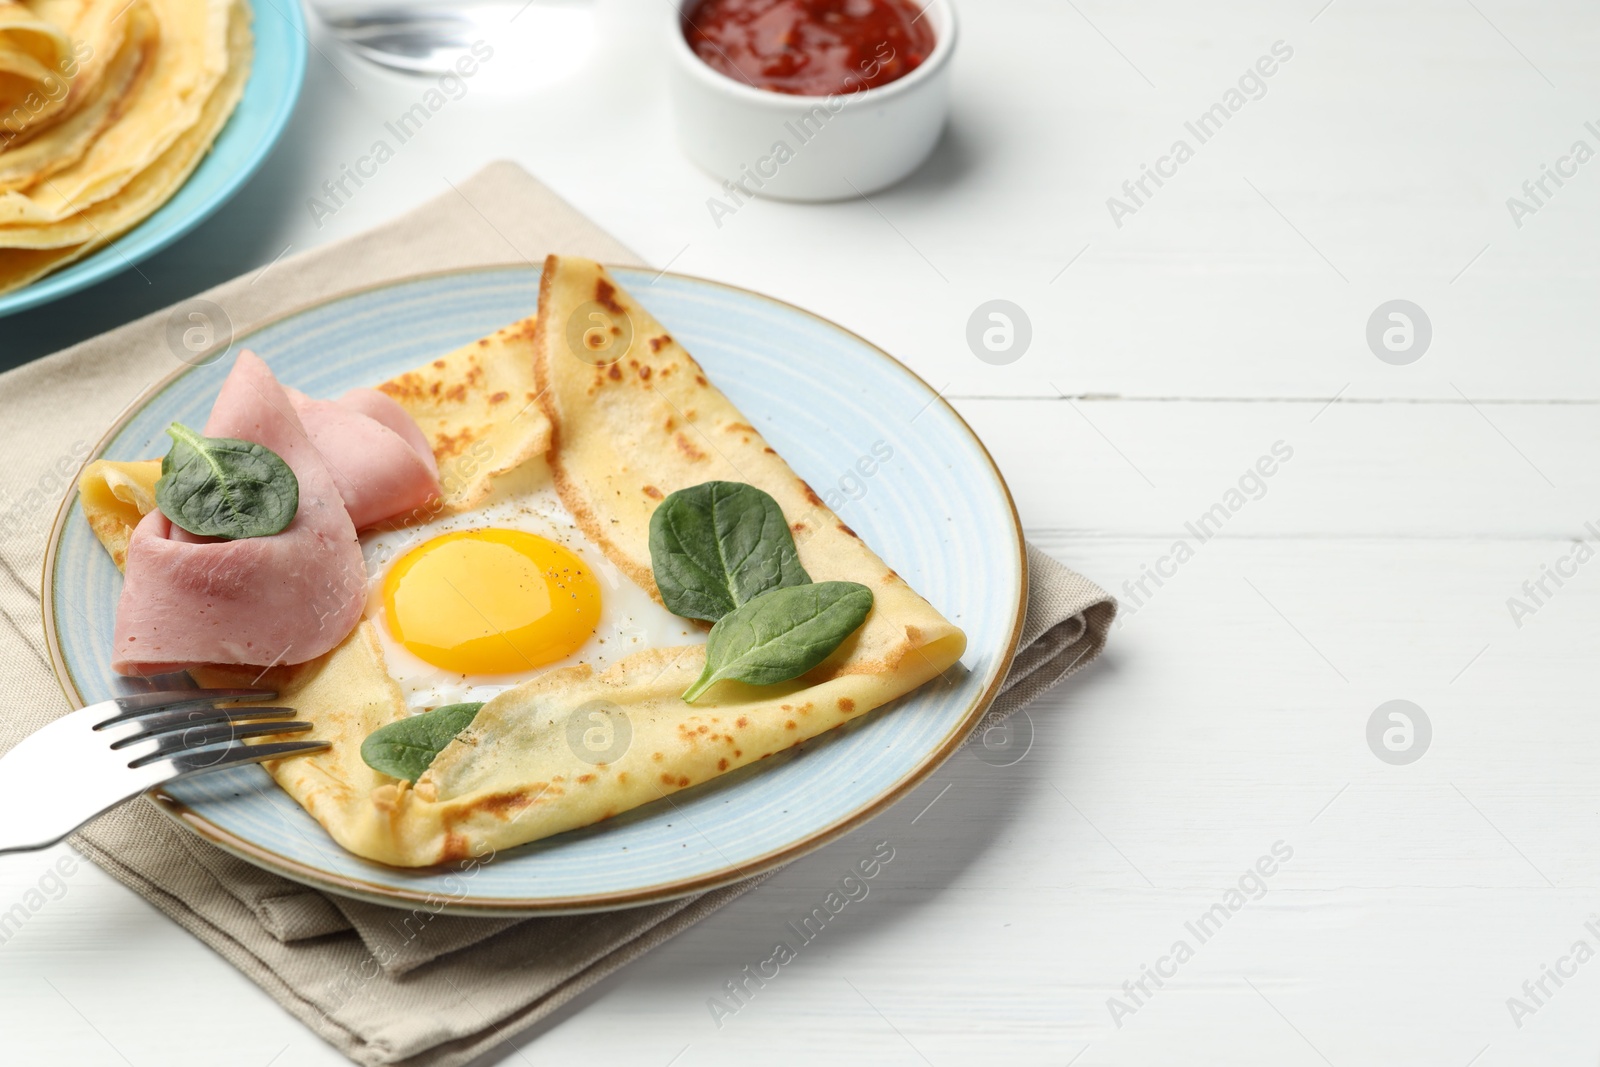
[503, 907]
[64, 283]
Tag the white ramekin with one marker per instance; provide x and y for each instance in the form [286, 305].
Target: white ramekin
[839, 146]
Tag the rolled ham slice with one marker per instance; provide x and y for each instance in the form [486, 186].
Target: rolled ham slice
[384, 409]
[283, 599]
[379, 459]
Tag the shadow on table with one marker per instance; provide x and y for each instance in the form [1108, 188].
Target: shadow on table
[954, 158]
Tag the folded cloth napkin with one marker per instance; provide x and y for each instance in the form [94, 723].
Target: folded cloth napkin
[383, 985]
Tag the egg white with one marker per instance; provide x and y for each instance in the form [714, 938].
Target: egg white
[524, 499]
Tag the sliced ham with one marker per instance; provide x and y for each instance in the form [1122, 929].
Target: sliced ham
[384, 408]
[379, 459]
[258, 601]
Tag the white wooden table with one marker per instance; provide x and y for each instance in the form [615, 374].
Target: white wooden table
[1226, 314]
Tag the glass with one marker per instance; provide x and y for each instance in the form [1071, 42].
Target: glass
[547, 38]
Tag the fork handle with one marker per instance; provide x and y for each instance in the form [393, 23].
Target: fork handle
[46, 798]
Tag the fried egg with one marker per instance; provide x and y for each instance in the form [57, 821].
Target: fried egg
[469, 605]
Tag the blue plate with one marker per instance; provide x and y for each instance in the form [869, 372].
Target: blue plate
[276, 73]
[937, 511]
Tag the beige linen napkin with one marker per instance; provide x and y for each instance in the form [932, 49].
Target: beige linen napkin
[384, 986]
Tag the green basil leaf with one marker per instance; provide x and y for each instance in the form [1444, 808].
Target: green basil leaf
[782, 634]
[718, 545]
[404, 749]
[222, 487]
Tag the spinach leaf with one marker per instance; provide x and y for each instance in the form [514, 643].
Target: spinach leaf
[404, 749]
[222, 487]
[782, 634]
[718, 545]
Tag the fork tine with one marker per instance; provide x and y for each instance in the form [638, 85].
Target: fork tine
[138, 729]
[191, 740]
[233, 755]
[175, 699]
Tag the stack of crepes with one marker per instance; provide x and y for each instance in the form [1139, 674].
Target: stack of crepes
[106, 108]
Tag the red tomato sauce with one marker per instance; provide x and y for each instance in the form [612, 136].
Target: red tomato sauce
[810, 47]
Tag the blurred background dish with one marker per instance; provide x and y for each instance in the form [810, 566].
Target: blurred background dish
[745, 122]
[550, 39]
[171, 105]
[33, 52]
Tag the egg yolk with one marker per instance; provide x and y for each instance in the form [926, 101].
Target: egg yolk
[491, 601]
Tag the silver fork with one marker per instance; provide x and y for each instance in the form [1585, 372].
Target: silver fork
[93, 759]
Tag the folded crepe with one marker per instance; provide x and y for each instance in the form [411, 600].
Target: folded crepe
[477, 408]
[618, 438]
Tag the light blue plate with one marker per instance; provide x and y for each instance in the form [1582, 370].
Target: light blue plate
[276, 73]
[937, 511]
